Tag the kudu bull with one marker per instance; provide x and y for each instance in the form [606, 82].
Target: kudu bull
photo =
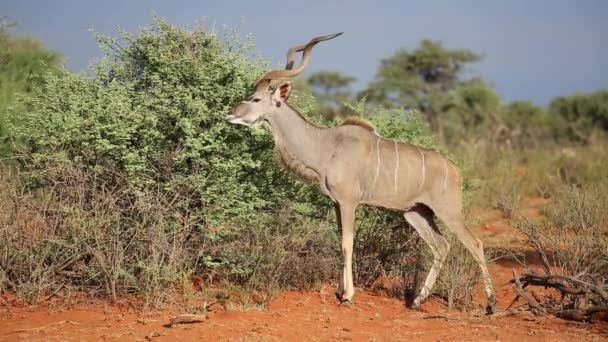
[352, 164]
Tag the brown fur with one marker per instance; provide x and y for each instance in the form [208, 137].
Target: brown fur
[359, 122]
[293, 165]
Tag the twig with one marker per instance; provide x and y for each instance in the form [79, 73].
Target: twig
[436, 316]
[188, 318]
[535, 296]
[516, 297]
[599, 288]
[520, 291]
[53, 294]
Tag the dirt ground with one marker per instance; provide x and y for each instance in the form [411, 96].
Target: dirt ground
[310, 316]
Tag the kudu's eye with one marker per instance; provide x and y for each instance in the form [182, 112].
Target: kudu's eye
[256, 100]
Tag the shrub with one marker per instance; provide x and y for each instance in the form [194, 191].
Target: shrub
[150, 158]
[155, 110]
[572, 236]
[23, 63]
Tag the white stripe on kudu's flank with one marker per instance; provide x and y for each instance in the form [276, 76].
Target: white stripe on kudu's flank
[396, 164]
[423, 168]
[377, 162]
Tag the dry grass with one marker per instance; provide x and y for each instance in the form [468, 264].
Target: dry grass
[67, 229]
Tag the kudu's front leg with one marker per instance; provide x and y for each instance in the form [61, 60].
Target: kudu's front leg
[345, 214]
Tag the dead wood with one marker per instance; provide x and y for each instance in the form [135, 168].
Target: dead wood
[437, 316]
[564, 284]
[522, 293]
[573, 315]
[581, 294]
[188, 318]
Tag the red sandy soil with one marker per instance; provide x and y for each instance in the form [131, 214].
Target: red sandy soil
[310, 316]
[295, 316]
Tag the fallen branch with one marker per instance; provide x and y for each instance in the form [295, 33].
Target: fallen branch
[188, 318]
[195, 318]
[573, 315]
[592, 314]
[521, 293]
[437, 316]
[578, 310]
[560, 283]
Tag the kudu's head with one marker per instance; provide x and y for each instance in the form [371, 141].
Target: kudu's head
[273, 88]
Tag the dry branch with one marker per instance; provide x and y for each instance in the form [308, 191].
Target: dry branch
[522, 293]
[579, 309]
[561, 283]
[189, 318]
[592, 314]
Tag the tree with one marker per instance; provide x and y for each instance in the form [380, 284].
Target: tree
[23, 63]
[332, 90]
[422, 79]
[524, 123]
[5, 25]
[579, 115]
[472, 108]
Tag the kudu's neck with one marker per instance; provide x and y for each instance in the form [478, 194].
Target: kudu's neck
[304, 141]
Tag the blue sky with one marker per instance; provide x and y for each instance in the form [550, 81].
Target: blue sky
[533, 50]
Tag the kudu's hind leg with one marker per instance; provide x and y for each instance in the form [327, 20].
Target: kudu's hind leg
[421, 218]
[345, 214]
[454, 221]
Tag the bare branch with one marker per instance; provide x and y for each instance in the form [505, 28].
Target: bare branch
[522, 293]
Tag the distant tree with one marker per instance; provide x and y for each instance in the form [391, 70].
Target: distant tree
[580, 115]
[523, 123]
[331, 89]
[23, 63]
[422, 79]
[5, 25]
[472, 108]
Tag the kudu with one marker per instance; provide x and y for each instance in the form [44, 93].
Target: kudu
[352, 165]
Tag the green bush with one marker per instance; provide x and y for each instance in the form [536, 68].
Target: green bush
[23, 63]
[145, 145]
[154, 110]
[577, 117]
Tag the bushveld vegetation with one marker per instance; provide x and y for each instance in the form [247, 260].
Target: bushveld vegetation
[23, 63]
[126, 181]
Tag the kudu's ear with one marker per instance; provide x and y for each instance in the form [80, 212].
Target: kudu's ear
[281, 94]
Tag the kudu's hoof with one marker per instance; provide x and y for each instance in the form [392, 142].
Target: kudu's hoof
[416, 304]
[491, 304]
[415, 307]
[346, 302]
